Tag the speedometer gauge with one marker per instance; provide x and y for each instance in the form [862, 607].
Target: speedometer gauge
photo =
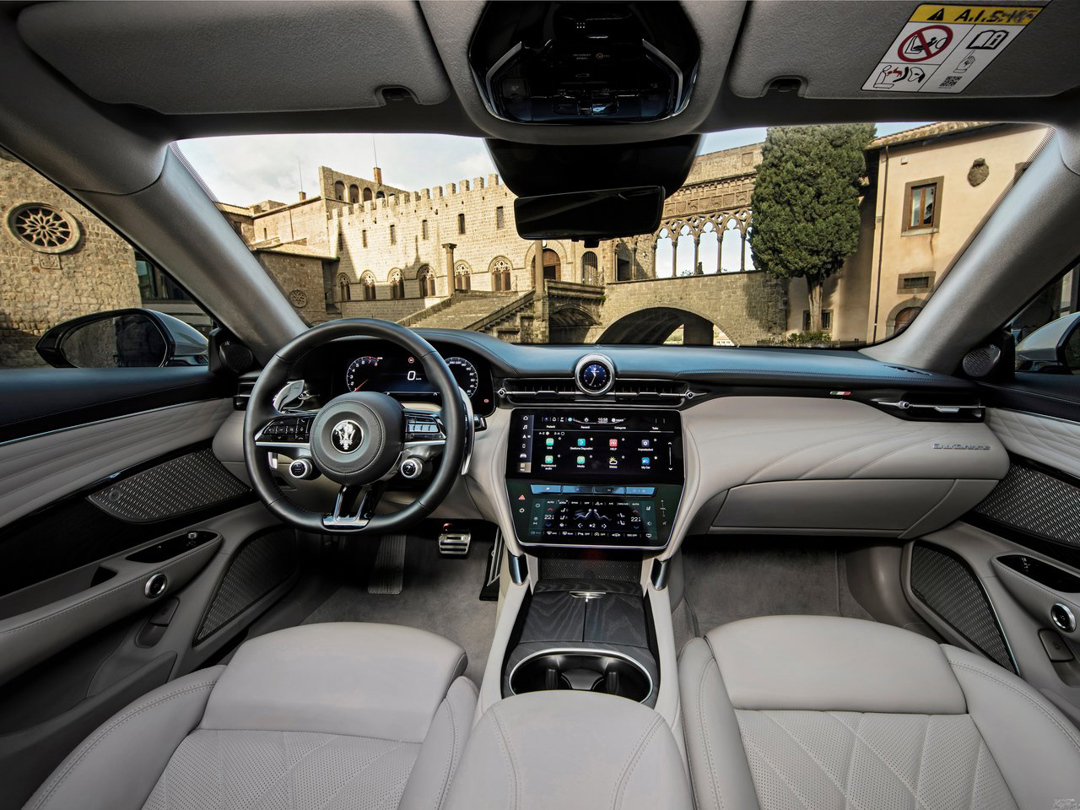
[465, 373]
[360, 371]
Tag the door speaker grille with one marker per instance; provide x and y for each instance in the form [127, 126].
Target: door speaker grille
[947, 586]
[262, 563]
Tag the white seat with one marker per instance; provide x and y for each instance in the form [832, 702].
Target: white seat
[818, 712]
[321, 716]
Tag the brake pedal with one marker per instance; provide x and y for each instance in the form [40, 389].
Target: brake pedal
[454, 543]
[388, 574]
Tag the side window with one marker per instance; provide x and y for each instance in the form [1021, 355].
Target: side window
[1047, 329]
[60, 263]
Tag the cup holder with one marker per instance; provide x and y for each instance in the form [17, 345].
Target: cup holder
[583, 670]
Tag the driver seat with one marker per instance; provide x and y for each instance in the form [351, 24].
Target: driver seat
[328, 716]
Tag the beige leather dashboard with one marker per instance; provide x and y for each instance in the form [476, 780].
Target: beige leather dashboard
[799, 465]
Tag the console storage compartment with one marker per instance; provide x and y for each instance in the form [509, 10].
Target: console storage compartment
[593, 637]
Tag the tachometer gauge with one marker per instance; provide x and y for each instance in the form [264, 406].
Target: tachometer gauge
[360, 371]
[465, 373]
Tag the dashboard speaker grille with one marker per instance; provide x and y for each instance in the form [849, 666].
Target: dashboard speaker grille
[947, 586]
[182, 485]
[262, 563]
[1034, 502]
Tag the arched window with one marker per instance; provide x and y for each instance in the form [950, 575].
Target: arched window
[367, 281]
[500, 275]
[462, 277]
[551, 265]
[461, 223]
[589, 268]
[367, 194]
[427, 282]
[339, 190]
[397, 285]
[344, 288]
[380, 195]
[354, 193]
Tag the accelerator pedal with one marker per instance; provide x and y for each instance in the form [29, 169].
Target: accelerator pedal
[388, 575]
[454, 542]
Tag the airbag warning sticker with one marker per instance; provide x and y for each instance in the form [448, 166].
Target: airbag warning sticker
[943, 48]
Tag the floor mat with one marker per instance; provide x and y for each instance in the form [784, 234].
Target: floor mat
[439, 594]
[729, 578]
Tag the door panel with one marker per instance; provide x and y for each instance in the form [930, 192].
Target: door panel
[40, 469]
[122, 489]
[41, 400]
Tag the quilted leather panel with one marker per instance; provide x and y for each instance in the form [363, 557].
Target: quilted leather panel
[1055, 442]
[865, 761]
[275, 770]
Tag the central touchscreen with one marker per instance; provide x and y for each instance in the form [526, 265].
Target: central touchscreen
[594, 477]
[599, 446]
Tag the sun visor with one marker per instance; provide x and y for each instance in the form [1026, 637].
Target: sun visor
[236, 57]
[833, 49]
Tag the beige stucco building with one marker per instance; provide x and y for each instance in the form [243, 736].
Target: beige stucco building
[928, 191]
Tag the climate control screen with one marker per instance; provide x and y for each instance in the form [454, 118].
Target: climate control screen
[596, 446]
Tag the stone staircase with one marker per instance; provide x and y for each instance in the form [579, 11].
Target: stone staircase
[478, 311]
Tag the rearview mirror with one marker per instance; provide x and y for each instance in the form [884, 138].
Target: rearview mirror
[123, 338]
[1054, 348]
[591, 215]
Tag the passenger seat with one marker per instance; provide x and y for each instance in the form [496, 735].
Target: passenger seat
[819, 712]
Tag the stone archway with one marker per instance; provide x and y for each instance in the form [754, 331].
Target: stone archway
[653, 325]
[569, 325]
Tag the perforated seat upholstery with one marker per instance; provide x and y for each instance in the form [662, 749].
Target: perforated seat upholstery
[358, 716]
[815, 712]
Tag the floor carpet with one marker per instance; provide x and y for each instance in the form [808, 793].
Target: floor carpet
[440, 594]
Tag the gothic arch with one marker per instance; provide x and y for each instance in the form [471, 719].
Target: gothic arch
[426, 279]
[397, 284]
[462, 277]
[367, 281]
[501, 275]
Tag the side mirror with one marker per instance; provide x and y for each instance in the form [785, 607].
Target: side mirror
[123, 338]
[1053, 349]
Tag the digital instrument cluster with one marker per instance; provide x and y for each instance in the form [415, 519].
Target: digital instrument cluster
[391, 370]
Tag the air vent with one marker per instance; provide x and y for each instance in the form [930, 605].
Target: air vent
[624, 391]
[244, 387]
[540, 389]
[650, 391]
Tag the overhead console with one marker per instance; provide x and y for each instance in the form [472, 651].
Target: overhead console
[575, 63]
[594, 477]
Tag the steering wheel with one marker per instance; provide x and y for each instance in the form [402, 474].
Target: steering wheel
[359, 439]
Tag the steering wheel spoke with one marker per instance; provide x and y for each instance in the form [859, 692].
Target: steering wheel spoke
[354, 507]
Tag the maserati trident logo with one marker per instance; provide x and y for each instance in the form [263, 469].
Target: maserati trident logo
[345, 436]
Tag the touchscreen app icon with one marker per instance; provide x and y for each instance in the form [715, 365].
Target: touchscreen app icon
[549, 459]
[581, 461]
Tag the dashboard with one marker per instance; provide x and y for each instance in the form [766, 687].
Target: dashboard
[633, 447]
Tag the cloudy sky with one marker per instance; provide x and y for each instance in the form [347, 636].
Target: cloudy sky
[246, 169]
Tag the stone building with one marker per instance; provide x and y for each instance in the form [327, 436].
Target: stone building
[57, 261]
[450, 256]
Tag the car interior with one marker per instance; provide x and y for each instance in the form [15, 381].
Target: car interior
[265, 562]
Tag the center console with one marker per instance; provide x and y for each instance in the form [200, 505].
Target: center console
[594, 478]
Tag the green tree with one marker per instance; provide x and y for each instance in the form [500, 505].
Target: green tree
[806, 203]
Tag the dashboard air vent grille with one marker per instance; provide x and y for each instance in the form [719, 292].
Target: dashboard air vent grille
[624, 391]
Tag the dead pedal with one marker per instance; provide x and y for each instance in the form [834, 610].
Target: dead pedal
[388, 574]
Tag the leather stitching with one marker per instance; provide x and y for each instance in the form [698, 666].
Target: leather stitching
[705, 738]
[450, 758]
[508, 756]
[1067, 734]
[631, 763]
[91, 743]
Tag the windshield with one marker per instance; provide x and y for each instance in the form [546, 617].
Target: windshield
[819, 236]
